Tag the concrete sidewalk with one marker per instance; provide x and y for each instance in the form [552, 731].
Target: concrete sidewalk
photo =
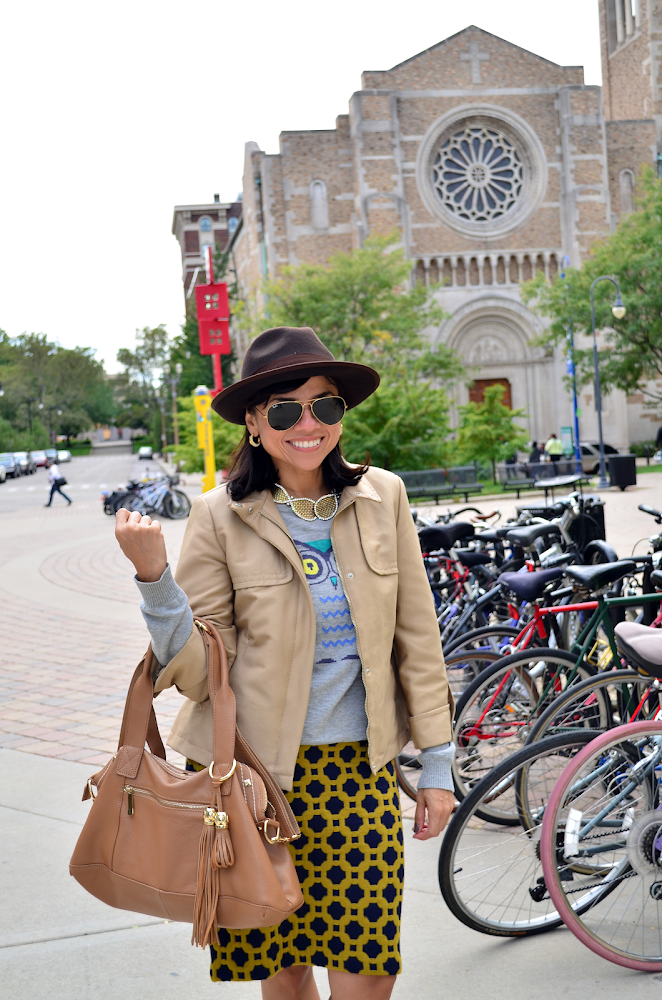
[58, 942]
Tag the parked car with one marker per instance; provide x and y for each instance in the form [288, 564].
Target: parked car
[145, 452]
[591, 456]
[51, 456]
[39, 458]
[26, 462]
[3, 474]
[63, 455]
[11, 466]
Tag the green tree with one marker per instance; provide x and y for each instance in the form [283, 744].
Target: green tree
[630, 349]
[361, 308]
[488, 433]
[66, 388]
[137, 387]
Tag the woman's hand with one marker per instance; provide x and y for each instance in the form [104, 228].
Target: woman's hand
[141, 540]
[433, 809]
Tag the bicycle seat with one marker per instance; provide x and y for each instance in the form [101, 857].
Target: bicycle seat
[527, 536]
[599, 576]
[491, 535]
[656, 579]
[470, 558]
[529, 586]
[444, 536]
[641, 646]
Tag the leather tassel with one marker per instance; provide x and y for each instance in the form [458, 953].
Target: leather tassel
[206, 896]
[223, 855]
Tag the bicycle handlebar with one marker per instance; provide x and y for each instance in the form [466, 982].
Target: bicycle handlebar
[651, 510]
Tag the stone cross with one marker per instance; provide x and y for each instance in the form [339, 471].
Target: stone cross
[475, 57]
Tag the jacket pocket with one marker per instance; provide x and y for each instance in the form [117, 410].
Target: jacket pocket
[379, 539]
[271, 569]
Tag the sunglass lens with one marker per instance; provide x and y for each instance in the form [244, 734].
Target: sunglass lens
[330, 409]
[282, 416]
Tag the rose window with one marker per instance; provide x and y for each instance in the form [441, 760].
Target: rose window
[478, 174]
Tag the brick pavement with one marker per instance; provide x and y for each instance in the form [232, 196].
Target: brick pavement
[64, 675]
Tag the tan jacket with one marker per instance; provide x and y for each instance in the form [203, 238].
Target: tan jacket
[240, 568]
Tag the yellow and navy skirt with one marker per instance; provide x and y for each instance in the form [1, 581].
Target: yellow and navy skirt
[350, 862]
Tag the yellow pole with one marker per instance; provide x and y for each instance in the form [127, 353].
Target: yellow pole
[202, 401]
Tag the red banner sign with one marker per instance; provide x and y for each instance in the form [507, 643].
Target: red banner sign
[213, 318]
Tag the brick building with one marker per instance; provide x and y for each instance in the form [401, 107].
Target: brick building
[491, 163]
[197, 226]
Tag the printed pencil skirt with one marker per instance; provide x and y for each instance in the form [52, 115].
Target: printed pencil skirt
[350, 862]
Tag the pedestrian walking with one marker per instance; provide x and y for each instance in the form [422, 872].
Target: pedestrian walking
[554, 448]
[311, 570]
[57, 481]
[658, 439]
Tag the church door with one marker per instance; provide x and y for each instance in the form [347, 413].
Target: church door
[477, 390]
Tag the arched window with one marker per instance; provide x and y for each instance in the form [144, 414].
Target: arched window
[233, 222]
[205, 224]
[319, 209]
[627, 191]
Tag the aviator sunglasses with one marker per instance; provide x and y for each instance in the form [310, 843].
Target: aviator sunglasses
[327, 409]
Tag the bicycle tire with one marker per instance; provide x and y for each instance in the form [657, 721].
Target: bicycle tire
[572, 710]
[627, 876]
[485, 632]
[510, 710]
[177, 505]
[518, 886]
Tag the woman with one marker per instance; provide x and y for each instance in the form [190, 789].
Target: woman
[312, 572]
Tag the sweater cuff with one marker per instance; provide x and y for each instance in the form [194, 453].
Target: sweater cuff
[437, 767]
[162, 592]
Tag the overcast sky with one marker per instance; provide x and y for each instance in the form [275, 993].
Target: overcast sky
[111, 114]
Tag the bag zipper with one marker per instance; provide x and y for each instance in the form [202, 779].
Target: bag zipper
[131, 791]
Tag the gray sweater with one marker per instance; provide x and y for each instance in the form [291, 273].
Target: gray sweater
[336, 705]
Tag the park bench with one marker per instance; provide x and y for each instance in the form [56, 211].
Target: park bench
[528, 475]
[433, 484]
[515, 477]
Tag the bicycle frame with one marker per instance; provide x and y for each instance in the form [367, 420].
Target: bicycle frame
[600, 616]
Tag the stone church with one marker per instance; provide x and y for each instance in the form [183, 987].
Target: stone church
[491, 163]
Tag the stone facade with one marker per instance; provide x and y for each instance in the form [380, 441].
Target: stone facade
[491, 163]
[197, 226]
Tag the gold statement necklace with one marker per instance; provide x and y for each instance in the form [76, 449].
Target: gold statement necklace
[308, 510]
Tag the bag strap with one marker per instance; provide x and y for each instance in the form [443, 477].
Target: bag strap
[139, 720]
[222, 699]
[229, 744]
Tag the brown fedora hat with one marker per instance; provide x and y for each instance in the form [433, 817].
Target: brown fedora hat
[287, 353]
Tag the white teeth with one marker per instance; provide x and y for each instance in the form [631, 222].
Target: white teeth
[306, 444]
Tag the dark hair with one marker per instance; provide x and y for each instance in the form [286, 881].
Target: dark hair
[252, 469]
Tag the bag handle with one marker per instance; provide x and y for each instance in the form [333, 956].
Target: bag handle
[229, 744]
[223, 702]
[139, 723]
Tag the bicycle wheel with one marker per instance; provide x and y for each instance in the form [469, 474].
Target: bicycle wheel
[490, 876]
[177, 505]
[488, 638]
[462, 669]
[600, 703]
[603, 815]
[135, 502]
[408, 770]
[495, 712]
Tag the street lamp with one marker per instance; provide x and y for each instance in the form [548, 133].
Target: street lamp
[570, 369]
[618, 311]
[174, 382]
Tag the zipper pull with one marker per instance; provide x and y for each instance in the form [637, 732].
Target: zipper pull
[129, 792]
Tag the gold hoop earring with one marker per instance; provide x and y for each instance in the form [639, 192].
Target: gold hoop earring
[254, 442]
[341, 430]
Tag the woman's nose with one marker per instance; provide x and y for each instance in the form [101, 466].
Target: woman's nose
[308, 421]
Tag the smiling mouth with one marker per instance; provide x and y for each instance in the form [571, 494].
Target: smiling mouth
[304, 445]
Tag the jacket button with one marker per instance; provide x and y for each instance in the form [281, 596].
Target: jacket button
[358, 493]
[250, 510]
[350, 576]
[367, 670]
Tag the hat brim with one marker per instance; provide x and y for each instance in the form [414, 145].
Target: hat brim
[357, 382]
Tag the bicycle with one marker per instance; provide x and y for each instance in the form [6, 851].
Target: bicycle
[159, 497]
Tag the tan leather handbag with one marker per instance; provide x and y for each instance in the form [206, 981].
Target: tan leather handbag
[207, 847]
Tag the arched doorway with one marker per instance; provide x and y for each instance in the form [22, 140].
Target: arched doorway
[477, 390]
